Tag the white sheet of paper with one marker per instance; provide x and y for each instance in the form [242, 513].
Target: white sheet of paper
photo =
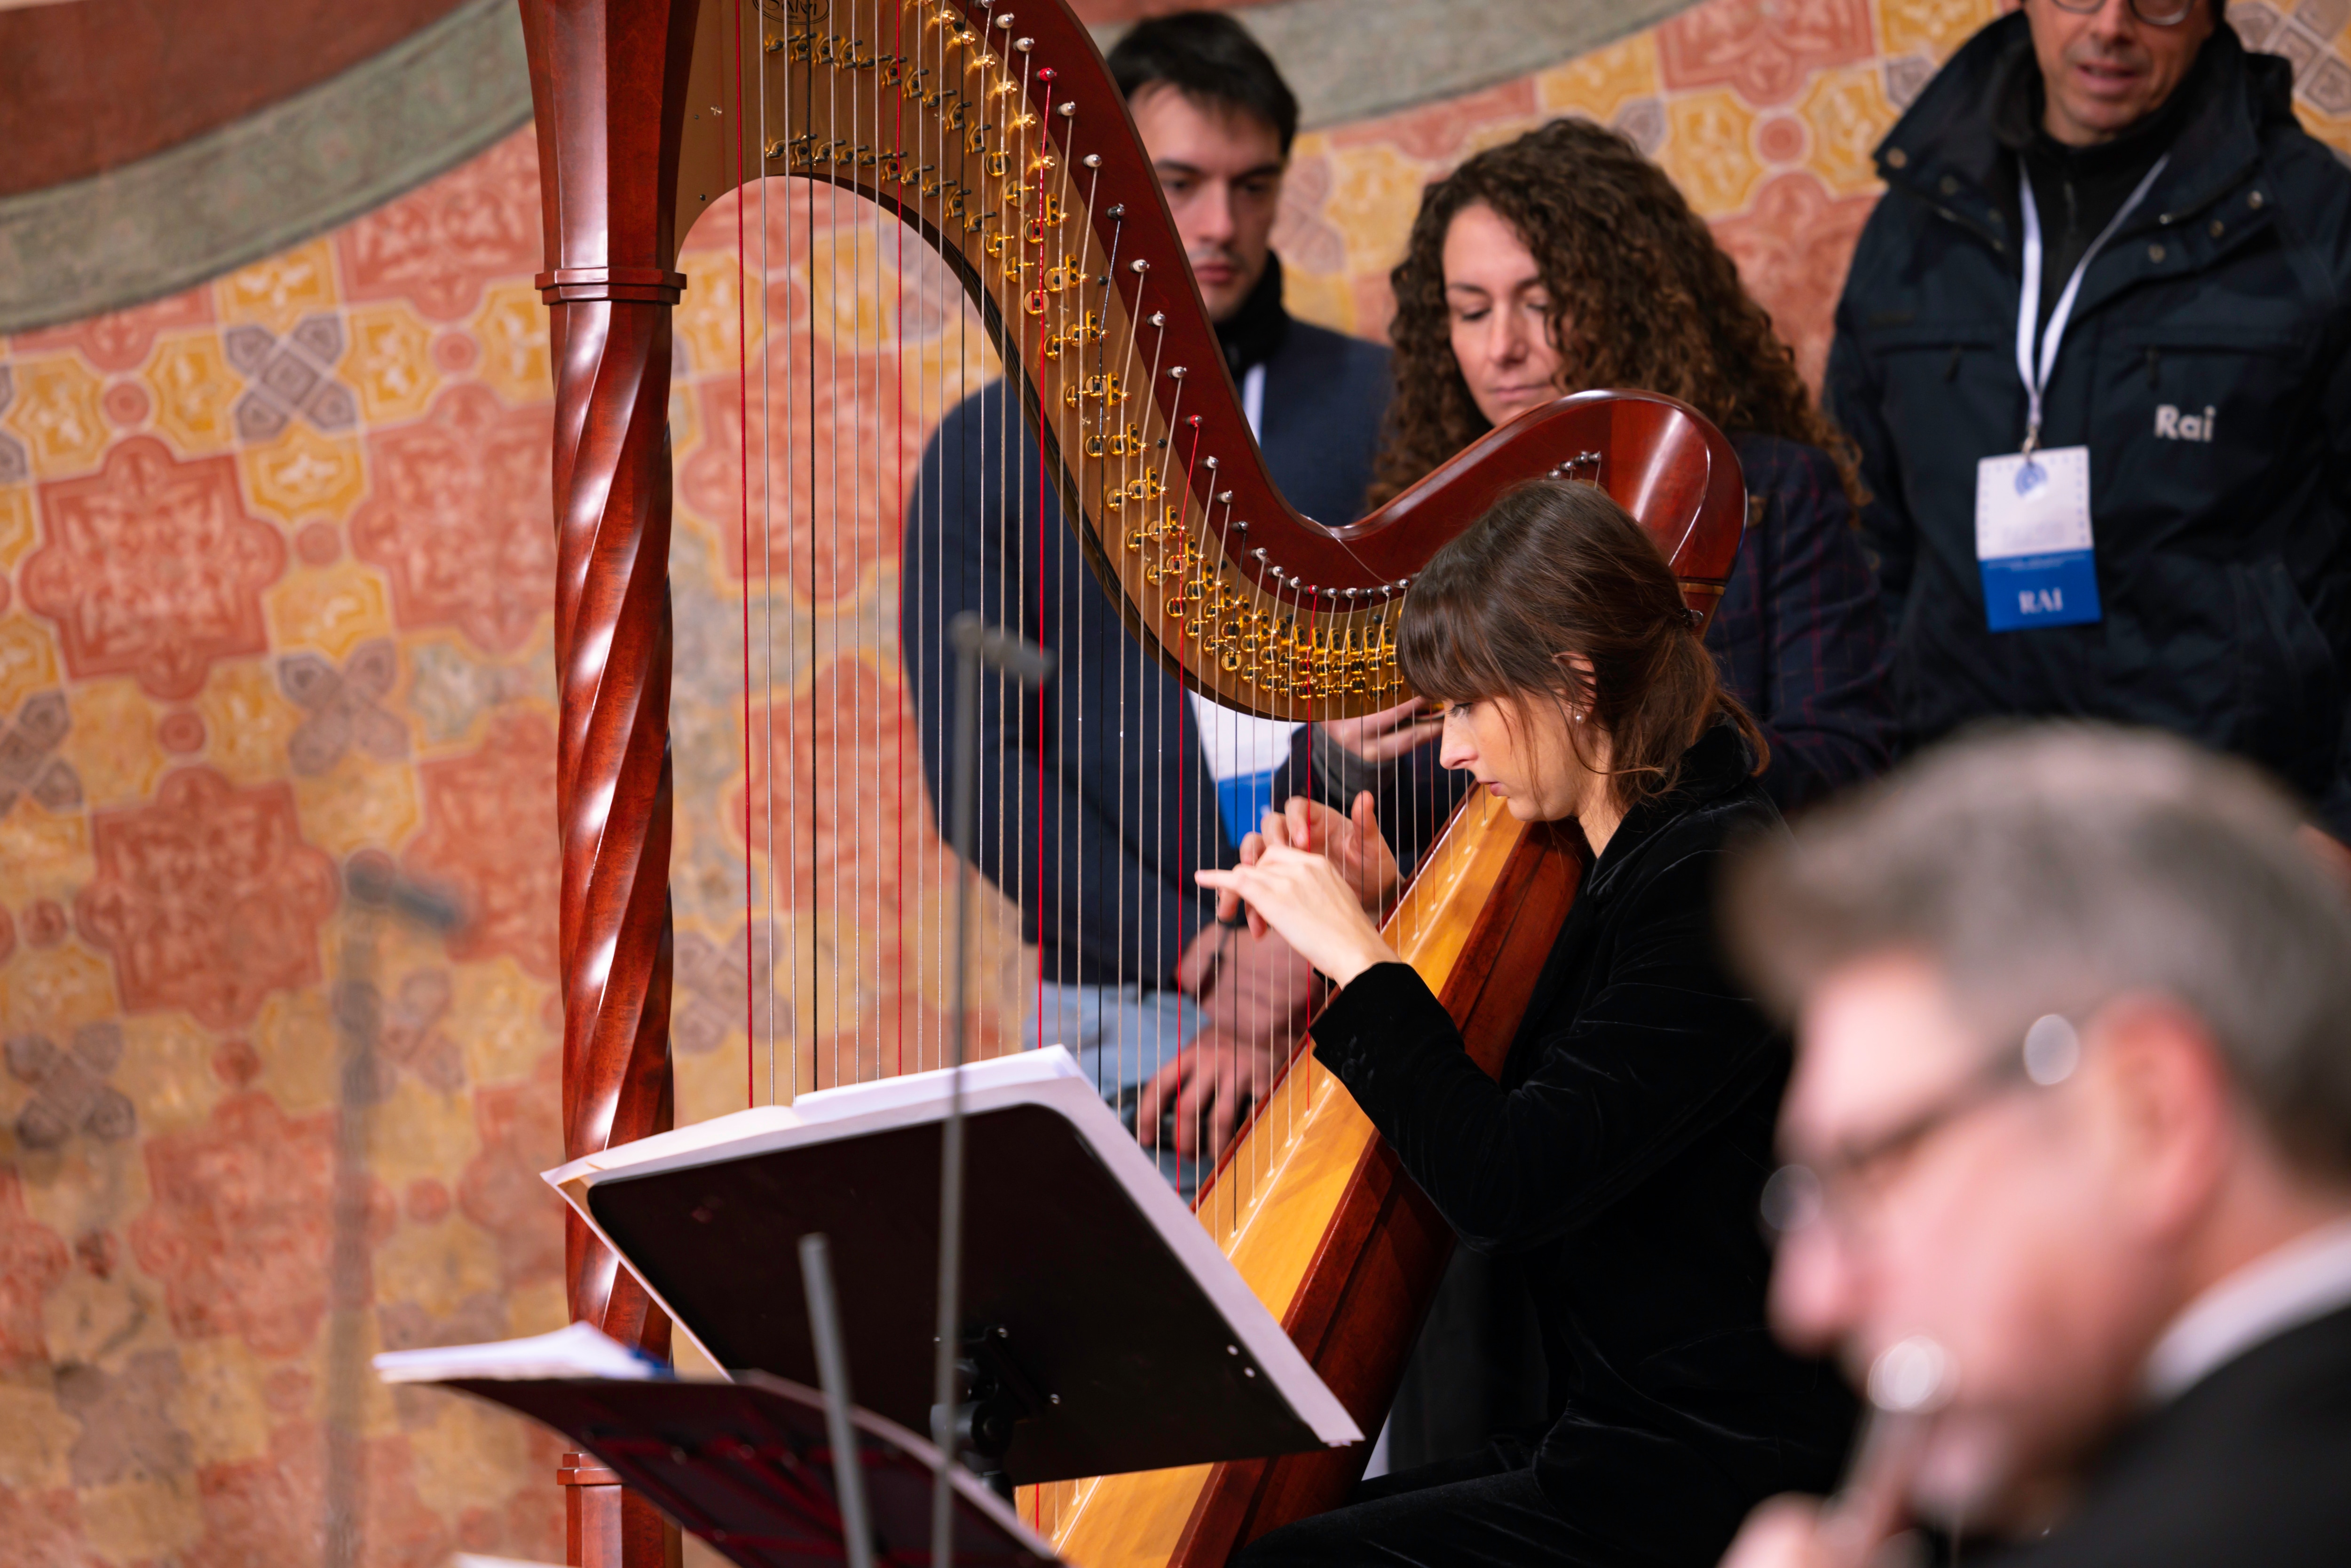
[2039, 510]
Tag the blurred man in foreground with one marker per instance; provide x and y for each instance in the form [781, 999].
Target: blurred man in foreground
[2071, 1126]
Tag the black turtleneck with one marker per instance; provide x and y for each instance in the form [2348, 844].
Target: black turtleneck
[2078, 190]
[1255, 331]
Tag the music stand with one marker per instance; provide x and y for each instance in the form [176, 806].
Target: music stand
[1104, 1330]
[747, 1467]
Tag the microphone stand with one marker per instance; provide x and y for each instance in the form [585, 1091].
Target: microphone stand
[975, 644]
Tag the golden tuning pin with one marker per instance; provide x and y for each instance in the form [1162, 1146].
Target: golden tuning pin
[1102, 389]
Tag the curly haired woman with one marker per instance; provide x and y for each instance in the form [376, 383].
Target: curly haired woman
[1566, 260]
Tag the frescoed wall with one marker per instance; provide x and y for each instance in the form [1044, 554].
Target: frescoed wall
[275, 595]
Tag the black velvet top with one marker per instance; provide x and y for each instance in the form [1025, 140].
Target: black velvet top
[1623, 1156]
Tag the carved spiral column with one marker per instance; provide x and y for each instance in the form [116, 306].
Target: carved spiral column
[608, 81]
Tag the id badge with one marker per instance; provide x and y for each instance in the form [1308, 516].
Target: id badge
[2032, 539]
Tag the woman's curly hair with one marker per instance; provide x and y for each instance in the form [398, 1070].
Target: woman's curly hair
[1642, 297]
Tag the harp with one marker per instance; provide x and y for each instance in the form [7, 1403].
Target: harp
[994, 133]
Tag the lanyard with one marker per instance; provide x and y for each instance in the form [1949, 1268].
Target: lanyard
[2028, 310]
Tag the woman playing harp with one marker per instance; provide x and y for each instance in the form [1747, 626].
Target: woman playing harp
[1623, 1152]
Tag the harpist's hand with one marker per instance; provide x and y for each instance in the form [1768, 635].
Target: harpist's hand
[1303, 897]
[1353, 844]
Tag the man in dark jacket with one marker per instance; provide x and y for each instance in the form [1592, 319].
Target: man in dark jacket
[1100, 795]
[2071, 1133]
[2188, 565]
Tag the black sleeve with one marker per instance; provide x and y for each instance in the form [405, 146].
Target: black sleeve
[1663, 1049]
[1853, 399]
[2334, 805]
[1827, 698]
[956, 543]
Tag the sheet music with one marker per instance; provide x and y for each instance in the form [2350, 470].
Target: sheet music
[1049, 1078]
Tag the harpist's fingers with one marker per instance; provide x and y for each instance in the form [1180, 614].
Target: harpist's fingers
[1232, 896]
[1301, 824]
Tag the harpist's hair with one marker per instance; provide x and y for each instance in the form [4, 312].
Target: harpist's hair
[2052, 868]
[1643, 298]
[1556, 569]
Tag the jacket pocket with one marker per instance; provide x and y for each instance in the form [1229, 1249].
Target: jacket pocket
[2197, 422]
[1948, 395]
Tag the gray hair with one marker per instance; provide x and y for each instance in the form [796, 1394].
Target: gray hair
[2048, 869]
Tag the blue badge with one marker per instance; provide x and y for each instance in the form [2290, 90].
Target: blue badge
[2028, 590]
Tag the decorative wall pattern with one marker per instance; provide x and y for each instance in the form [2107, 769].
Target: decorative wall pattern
[275, 589]
[1764, 113]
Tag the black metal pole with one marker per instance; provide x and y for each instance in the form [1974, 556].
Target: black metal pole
[832, 1375]
[975, 645]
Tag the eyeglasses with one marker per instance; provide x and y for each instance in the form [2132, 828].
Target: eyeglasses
[1856, 1177]
[2154, 12]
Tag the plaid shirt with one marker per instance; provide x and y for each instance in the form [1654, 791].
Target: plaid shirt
[1800, 636]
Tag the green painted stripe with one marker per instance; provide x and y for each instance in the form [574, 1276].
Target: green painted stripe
[1348, 60]
[263, 183]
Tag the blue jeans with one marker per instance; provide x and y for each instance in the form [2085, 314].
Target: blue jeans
[1122, 1037]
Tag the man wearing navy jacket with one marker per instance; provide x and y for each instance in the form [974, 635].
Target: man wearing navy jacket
[2095, 351]
[1100, 799]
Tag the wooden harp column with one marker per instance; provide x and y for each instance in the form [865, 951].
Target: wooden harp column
[607, 82]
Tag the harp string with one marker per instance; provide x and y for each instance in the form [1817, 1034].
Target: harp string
[743, 433]
[754, 970]
[860, 916]
[896, 512]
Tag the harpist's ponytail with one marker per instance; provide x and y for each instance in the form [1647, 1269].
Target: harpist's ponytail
[1554, 569]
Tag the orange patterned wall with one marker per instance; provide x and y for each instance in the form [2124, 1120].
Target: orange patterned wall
[275, 588]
